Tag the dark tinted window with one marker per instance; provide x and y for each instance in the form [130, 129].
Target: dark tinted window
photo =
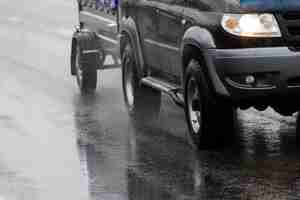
[198, 4]
[213, 5]
[171, 2]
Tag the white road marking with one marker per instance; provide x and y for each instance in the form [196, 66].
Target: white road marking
[112, 25]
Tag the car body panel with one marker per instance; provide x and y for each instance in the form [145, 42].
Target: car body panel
[147, 24]
[129, 29]
[165, 28]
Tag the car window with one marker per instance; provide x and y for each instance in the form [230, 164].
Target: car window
[198, 4]
[213, 5]
[171, 2]
[98, 4]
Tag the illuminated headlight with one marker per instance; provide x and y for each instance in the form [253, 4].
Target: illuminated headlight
[251, 25]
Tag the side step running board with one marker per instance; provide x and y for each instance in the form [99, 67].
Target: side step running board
[172, 90]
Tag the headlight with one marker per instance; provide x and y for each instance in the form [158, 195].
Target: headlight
[251, 25]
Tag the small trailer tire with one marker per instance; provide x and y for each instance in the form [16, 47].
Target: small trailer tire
[86, 76]
[86, 57]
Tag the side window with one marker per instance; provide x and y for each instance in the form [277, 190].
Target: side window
[171, 2]
[109, 6]
[199, 4]
[174, 2]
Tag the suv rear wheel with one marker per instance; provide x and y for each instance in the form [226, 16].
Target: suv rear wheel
[143, 103]
[209, 121]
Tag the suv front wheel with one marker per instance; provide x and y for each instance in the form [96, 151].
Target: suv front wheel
[209, 121]
[143, 103]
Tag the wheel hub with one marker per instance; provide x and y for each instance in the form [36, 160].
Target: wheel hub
[194, 105]
[129, 82]
[78, 66]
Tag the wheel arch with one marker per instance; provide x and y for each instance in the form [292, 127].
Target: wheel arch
[128, 30]
[195, 43]
[195, 38]
[73, 55]
[200, 37]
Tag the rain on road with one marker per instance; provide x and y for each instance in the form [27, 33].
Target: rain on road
[57, 144]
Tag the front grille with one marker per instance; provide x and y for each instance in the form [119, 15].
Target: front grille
[294, 31]
[294, 82]
[291, 16]
[290, 28]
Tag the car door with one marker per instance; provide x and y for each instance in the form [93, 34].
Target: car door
[147, 23]
[170, 33]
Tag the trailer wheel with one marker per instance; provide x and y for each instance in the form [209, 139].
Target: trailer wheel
[86, 76]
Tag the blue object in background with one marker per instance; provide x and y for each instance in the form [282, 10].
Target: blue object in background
[271, 5]
[114, 4]
[107, 4]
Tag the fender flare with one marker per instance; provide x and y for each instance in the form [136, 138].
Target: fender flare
[198, 37]
[128, 28]
[202, 39]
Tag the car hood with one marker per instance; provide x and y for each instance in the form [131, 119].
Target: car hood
[270, 5]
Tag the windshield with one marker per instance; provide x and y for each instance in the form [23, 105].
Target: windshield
[271, 5]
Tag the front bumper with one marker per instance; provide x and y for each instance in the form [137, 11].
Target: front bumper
[276, 72]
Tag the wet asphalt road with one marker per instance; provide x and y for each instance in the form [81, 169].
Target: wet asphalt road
[57, 144]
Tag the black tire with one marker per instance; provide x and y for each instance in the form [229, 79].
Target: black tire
[86, 76]
[143, 103]
[210, 122]
[298, 129]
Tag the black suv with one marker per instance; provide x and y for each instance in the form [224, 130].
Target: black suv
[211, 57]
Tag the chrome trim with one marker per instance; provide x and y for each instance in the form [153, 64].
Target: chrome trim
[240, 86]
[90, 51]
[293, 87]
[161, 45]
[107, 38]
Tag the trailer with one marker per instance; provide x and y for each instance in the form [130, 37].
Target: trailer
[94, 43]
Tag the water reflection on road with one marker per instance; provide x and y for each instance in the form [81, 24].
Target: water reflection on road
[141, 161]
